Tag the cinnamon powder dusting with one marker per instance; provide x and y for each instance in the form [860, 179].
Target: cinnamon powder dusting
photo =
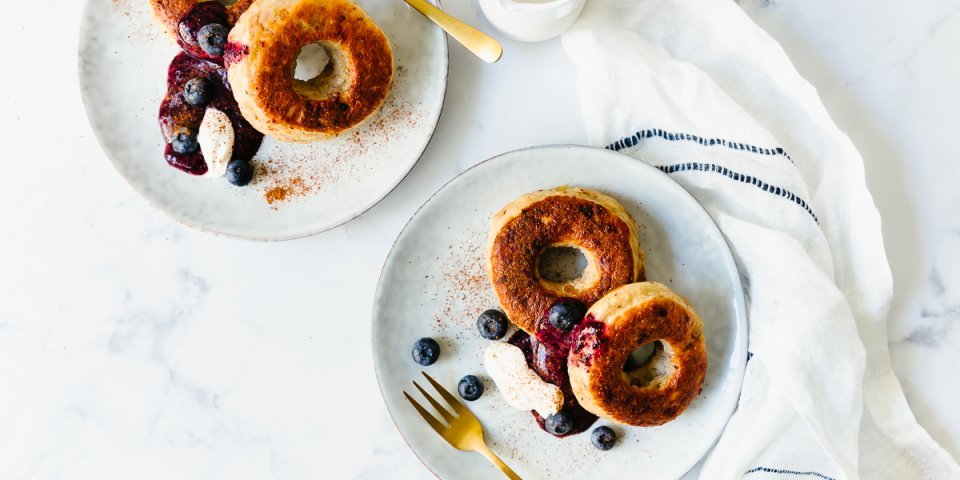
[296, 187]
[123, 7]
[467, 291]
[136, 14]
[290, 172]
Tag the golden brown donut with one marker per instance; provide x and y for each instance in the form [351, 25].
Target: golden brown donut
[562, 217]
[662, 387]
[261, 56]
[169, 12]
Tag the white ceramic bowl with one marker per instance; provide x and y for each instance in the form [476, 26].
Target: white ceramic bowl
[531, 20]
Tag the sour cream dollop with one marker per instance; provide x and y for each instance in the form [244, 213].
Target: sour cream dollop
[216, 137]
[521, 387]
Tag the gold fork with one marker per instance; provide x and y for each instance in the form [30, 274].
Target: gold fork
[481, 44]
[462, 431]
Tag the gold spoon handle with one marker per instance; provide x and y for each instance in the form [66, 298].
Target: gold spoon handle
[481, 44]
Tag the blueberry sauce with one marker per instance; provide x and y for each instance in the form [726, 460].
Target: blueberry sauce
[201, 15]
[546, 353]
[588, 341]
[176, 113]
[234, 52]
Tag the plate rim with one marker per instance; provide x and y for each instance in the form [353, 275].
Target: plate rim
[739, 299]
[83, 42]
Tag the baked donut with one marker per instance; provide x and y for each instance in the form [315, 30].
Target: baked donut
[587, 220]
[659, 389]
[169, 12]
[261, 57]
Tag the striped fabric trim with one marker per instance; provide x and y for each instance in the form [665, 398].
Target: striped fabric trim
[740, 177]
[787, 472]
[630, 141]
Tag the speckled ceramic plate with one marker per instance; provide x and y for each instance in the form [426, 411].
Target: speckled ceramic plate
[434, 284]
[299, 190]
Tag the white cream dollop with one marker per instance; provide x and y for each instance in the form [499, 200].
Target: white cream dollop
[216, 138]
[521, 387]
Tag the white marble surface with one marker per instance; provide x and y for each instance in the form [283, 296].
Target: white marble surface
[133, 347]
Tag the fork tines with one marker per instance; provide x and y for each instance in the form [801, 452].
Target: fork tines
[451, 401]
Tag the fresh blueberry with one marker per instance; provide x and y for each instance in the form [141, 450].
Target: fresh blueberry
[239, 172]
[199, 16]
[470, 388]
[426, 351]
[198, 91]
[492, 324]
[603, 438]
[212, 38]
[559, 423]
[566, 312]
[184, 140]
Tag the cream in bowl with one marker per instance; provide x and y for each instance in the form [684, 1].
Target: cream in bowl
[532, 20]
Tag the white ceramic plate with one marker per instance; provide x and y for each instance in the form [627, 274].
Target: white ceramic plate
[434, 284]
[123, 68]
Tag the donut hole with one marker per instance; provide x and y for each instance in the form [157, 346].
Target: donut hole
[561, 264]
[650, 364]
[227, 3]
[320, 71]
[566, 269]
[639, 356]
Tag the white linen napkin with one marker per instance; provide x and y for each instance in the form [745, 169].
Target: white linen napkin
[694, 88]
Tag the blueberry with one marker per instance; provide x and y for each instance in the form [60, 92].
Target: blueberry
[184, 140]
[212, 38]
[239, 172]
[201, 15]
[426, 351]
[470, 388]
[603, 438]
[566, 312]
[198, 91]
[492, 324]
[558, 424]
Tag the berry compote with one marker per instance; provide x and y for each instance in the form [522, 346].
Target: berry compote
[546, 353]
[177, 114]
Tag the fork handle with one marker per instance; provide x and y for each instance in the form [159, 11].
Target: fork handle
[481, 44]
[494, 459]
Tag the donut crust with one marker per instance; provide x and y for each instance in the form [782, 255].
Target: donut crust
[565, 216]
[664, 386]
[262, 54]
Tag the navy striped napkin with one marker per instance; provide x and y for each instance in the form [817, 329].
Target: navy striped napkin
[697, 90]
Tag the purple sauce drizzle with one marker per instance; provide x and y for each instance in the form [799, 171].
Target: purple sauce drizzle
[233, 52]
[202, 14]
[546, 354]
[588, 341]
[175, 112]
